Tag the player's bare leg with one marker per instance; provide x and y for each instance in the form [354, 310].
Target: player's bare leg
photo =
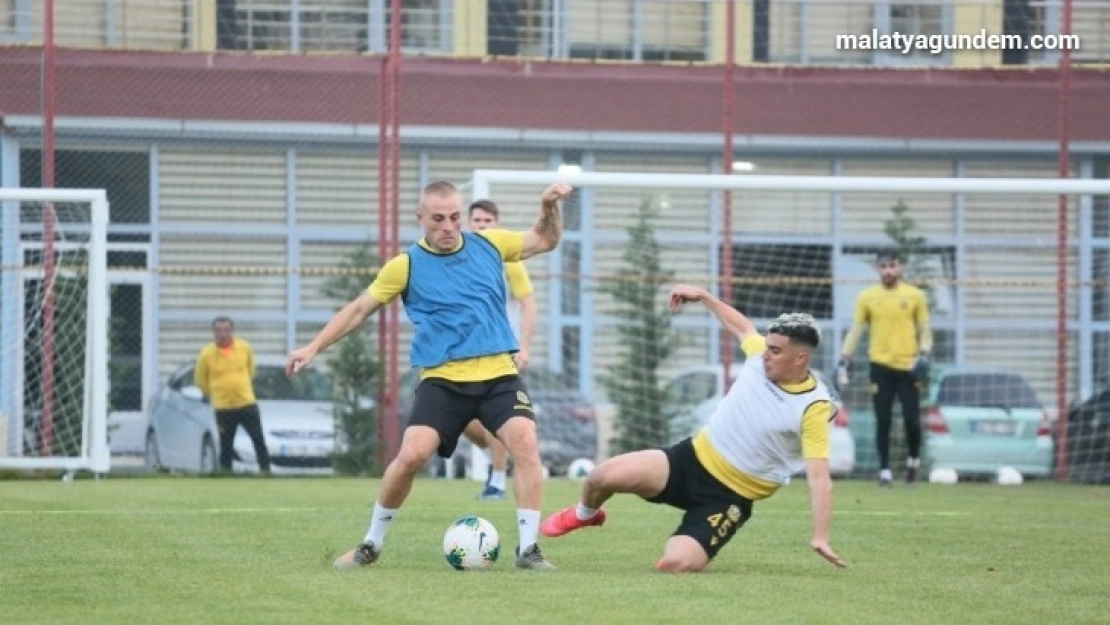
[417, 446]
[494, 487]
[519, 436]
[682, 554]
[642, 473]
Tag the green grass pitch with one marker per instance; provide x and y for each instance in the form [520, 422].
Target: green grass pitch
[240, 550]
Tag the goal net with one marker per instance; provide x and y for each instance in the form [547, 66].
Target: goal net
[1019, 317]
[53, 330]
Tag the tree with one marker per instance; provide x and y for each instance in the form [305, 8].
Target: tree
[900, 229]
[356, 373]
[646, 338]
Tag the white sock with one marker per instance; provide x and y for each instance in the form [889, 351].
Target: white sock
[528, 521]
[379, 525]
[583, 513]
[913, 463]
[497, 479]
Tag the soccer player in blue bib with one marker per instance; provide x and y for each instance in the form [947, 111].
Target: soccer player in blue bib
[452, 284]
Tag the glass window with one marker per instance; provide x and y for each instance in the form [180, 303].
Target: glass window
[987, 390]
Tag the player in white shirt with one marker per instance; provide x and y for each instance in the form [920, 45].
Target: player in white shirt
[521, 307]
[771, 424]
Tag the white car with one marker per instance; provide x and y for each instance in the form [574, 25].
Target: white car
[693, 394]
[297, 422]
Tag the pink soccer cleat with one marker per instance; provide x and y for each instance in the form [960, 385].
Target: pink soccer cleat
[566, 521]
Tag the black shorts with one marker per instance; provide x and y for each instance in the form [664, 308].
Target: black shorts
[714, 512]
[447, 406]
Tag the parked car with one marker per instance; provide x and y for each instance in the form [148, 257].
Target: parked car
[693, 395]
[979, 420]
[297, 423]
[1088, 439]
[566, 421]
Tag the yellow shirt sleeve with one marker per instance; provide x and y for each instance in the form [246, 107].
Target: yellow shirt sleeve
[520, 284]
[921, 315]
[200, 371]
[753, 345]
[815, 430]
[391, 280]
[509, 242]
[861, 316]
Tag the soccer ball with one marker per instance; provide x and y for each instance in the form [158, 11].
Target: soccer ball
[943, 476]
[580, 468]
[471, 544]
[1009, 476]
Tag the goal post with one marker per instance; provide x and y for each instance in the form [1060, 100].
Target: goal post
[1015, 306]
[54, 330]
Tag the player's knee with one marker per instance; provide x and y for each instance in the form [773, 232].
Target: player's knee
[522, 443]
[675, 563]
[411, 459]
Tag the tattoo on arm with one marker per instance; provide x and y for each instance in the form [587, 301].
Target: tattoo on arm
[550, 224]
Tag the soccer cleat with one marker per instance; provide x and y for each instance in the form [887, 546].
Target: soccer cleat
[364, 554]
[490, 493]
[886, 478]
[533, 559]
[566, 520]
[911, 470]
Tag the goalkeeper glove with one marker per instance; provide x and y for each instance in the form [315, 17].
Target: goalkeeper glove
[842, 372]
[921, 366]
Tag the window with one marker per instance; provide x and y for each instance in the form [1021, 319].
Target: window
[660, 30]
[125, 176]
[339, 25]
[777, 278]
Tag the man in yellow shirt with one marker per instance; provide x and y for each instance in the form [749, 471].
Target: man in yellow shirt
[453, 287]
[772, 423]
[224, 373]
[898, 316]
[522, 316]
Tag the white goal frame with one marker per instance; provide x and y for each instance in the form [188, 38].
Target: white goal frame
[95, 455]
[482, 180]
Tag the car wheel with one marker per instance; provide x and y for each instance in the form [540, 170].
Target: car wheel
[208, 459]
[151, 460]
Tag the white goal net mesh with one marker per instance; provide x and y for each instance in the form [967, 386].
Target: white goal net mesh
[985, 251]
[53, 330]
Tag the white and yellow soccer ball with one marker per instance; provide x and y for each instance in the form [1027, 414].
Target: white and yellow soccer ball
[471, 544]
[1009, 476]
[943, 476]
[580, 468]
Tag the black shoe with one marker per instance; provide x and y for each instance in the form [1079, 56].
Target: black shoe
[532, 559]
[364, 554]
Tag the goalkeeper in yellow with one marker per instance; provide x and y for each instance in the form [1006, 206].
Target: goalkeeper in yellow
[772, 423]
[898, 315]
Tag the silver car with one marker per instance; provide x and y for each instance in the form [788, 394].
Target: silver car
[297, 423]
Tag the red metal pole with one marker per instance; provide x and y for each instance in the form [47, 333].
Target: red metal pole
[384, 180]
[48, 225]
[727, 157]
[393, 425]
[1062, 256]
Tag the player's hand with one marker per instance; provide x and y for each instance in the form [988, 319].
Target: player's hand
[521, 359]
[921, 366]
[682, 294]
[842, 373]
[825, 551]
[556, 192]
[298, 359]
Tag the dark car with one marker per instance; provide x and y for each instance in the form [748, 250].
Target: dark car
[567, 422]
[1088, 439]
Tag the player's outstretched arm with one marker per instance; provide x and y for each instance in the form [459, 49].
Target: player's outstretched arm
[733, 320]
[349, 318]
[548, 229]
[820, 499]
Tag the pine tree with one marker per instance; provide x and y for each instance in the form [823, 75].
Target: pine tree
[646, 339]
[356, 373]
